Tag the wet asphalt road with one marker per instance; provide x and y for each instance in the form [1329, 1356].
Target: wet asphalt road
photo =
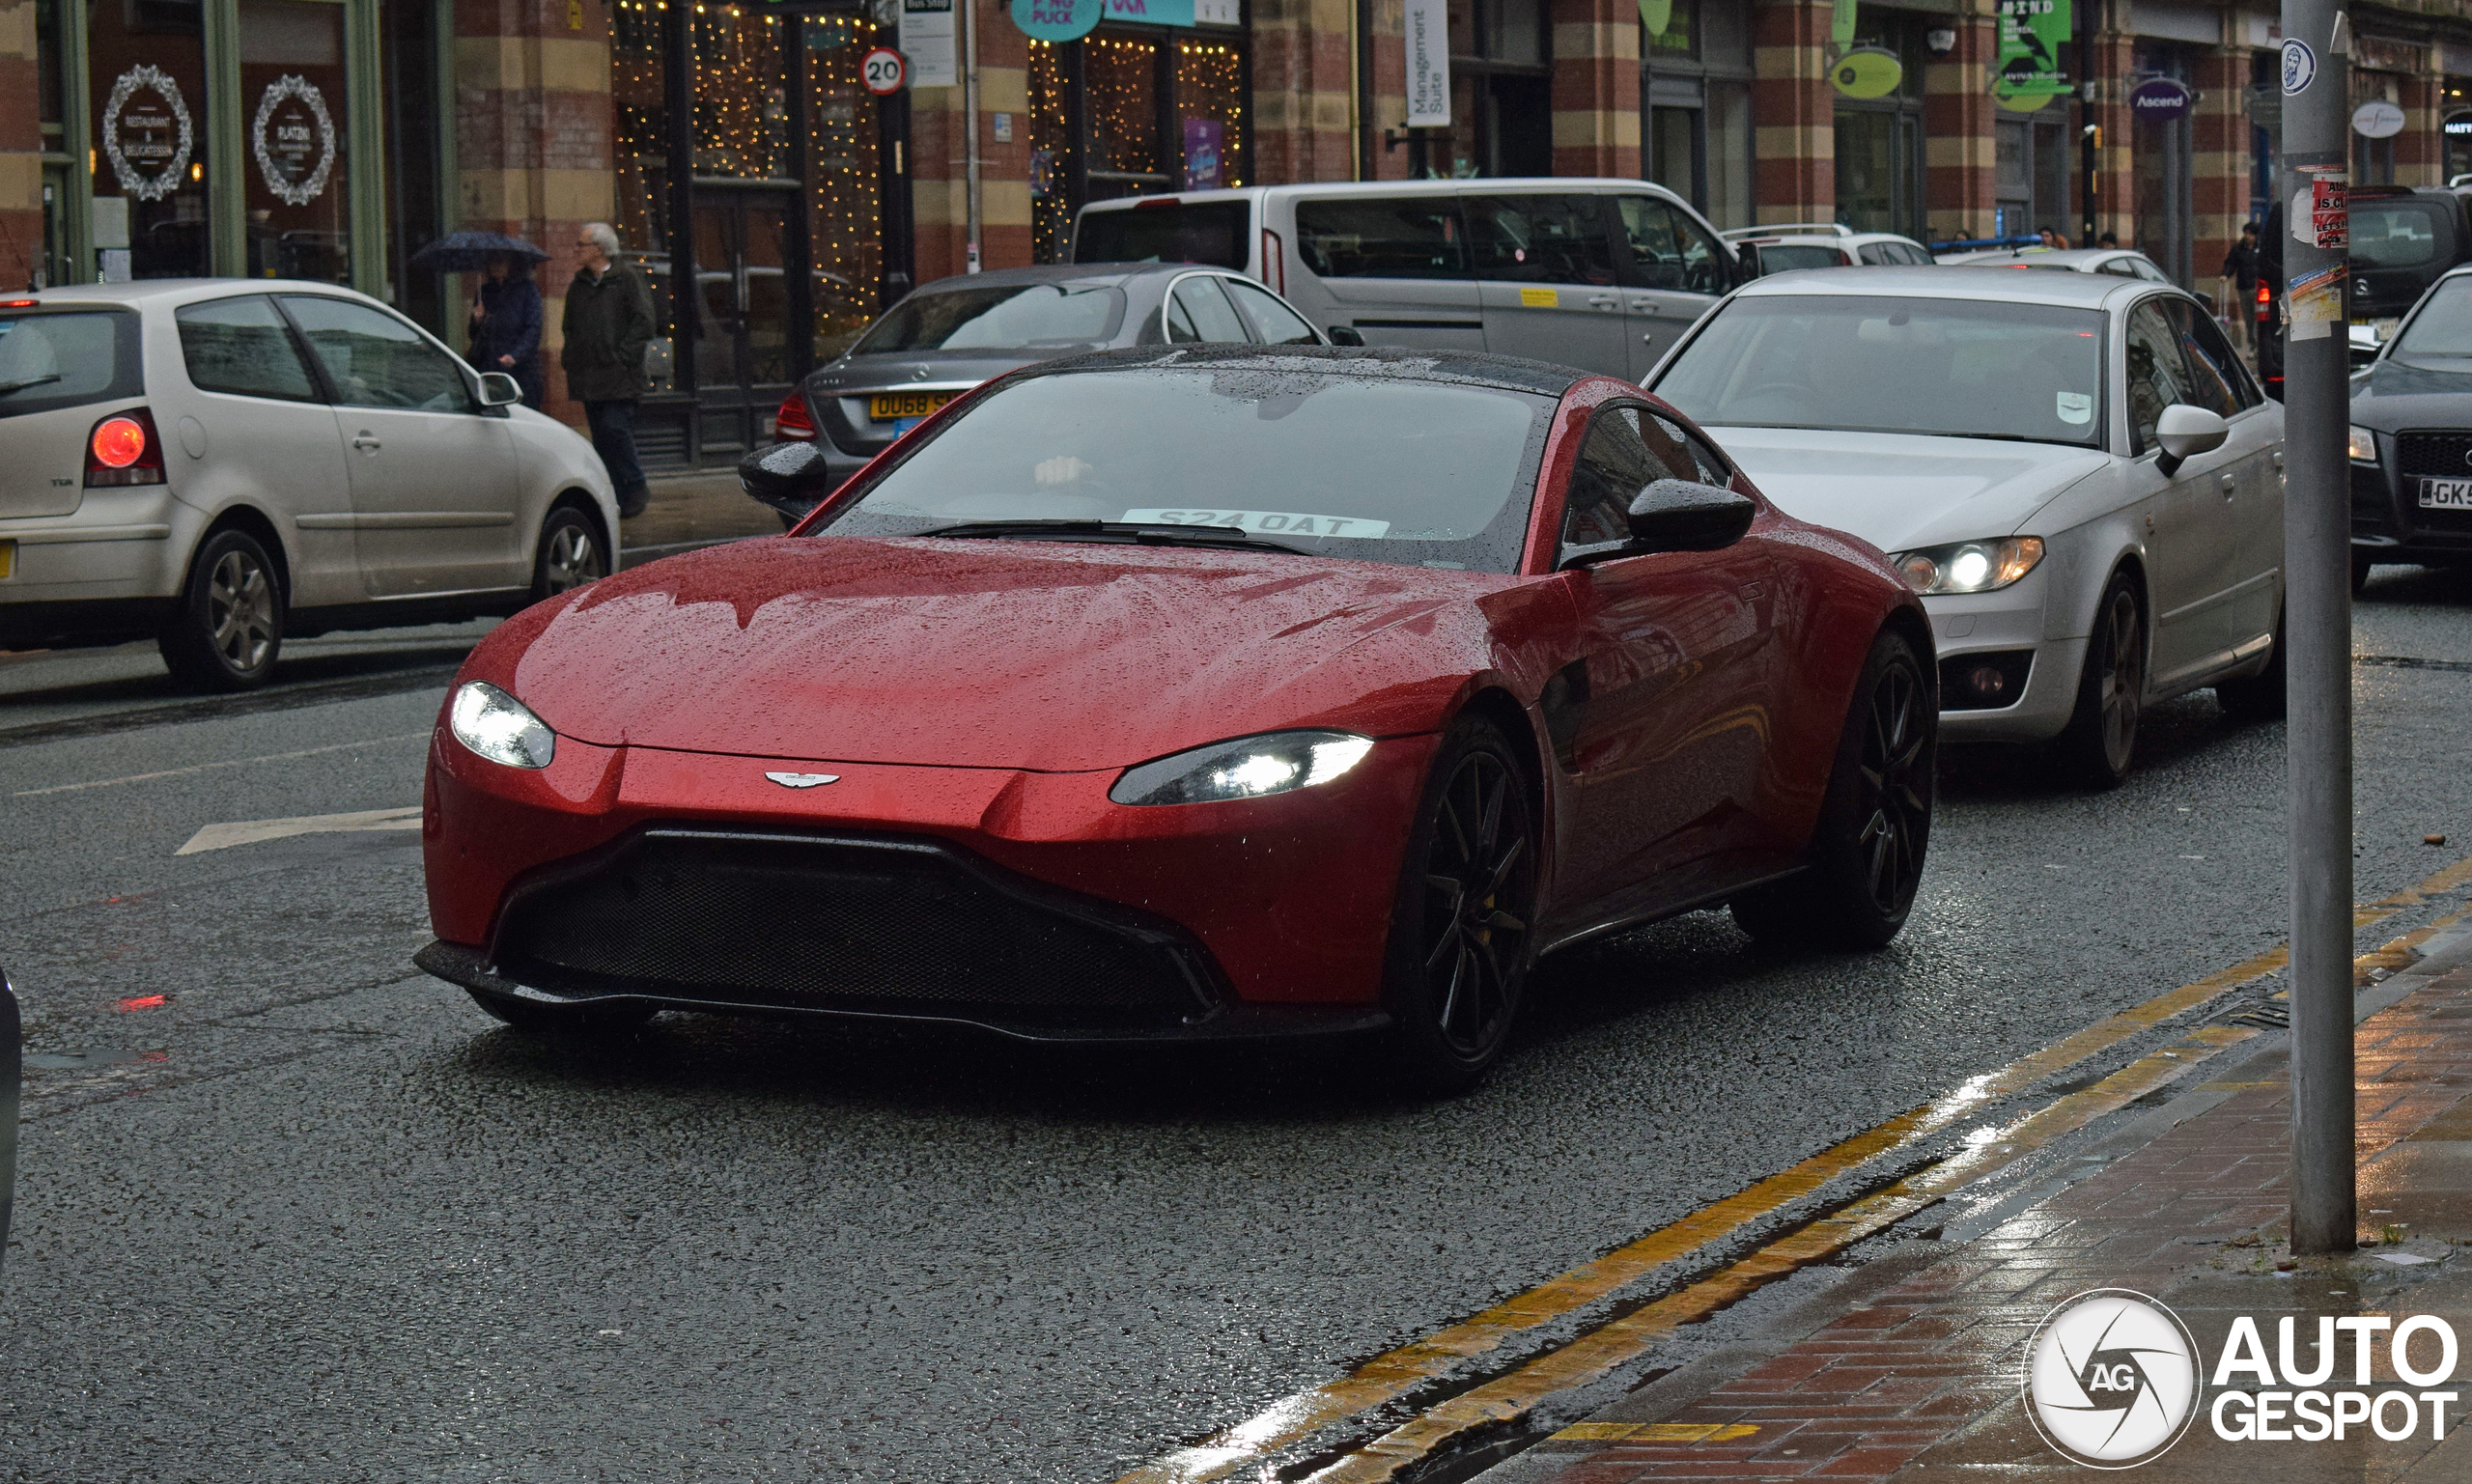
[314, 1216]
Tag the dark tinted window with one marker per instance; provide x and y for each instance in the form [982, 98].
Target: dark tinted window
[1272, 322]
[1218, 233]
[55, 359]
[242, 347]
[1624, 454]
[2399, 234]
[1375, 468]
[1414, 236]
[998, 317]
[1552, 239]
[2215, 379]
[2157, 374]
[1786, 256]
[1667, 249]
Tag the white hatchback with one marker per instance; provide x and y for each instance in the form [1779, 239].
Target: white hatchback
[217, 463]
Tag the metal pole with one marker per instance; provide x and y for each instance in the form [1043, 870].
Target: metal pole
[2318, 618]
[970, 109]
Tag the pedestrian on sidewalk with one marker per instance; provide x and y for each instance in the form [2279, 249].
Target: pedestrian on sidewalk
[2240, 284]
[607, 324]
[506, 325]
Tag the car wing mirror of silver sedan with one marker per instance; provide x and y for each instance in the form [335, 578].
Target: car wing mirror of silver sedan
[2185, 432]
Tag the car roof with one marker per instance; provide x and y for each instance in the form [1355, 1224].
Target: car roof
[1457, 185]
[2075, 259]
[184, 290]
[2082, 291]
[1391, 363]
[1110, 274]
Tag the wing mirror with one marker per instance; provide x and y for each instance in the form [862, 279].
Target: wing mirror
[2186, 432]
[1346, 335]
[792, 477]
[1676, 514]
[498, 389]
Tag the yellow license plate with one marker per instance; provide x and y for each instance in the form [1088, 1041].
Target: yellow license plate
[8, 560]
[885, 408]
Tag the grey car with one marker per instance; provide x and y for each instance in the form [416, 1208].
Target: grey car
[950, 335]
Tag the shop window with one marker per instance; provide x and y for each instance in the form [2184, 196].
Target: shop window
[845, 227]
[292, 87]
[1695, 99]
[1132, 111]
[1501, 107]
[1051, 101]
[146, 79]
[1210, 105]
[742, 114]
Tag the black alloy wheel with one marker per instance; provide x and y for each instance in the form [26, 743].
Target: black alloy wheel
[2101, 737]
[590, 1019]
[227, 628]
[568, 555]
[1874, 829]
[1461, 933]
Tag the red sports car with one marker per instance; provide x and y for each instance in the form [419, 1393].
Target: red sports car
[1194, 693]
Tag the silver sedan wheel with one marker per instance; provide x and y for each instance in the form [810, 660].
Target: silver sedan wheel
[570, 559]
[239, 610]
[2124, 679]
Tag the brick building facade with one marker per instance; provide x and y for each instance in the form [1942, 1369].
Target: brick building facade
[334, 138]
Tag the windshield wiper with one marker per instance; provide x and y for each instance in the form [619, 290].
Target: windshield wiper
[1128, 532]
[6, 387]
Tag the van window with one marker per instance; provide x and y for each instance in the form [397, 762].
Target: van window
[1667, 249]
[50, 359]
[1414, 236]
[1546, 239]
[1212, 232]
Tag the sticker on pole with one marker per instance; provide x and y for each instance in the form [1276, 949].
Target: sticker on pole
[2299, 65]
[2317, 302]
[2321, 213]
[882, 70]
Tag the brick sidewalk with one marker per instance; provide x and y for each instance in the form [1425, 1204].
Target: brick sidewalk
[1921, 1383]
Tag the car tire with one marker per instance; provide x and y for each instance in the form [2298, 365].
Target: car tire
[226, 630]
[2258, 698]
[533, 1017]
[1462, 926]
[568, 555]
[2100, 740]
[1874, 825]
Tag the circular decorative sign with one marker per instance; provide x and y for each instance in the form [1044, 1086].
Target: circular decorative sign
[147, 134]
[2160, 100]
[1867, 73]
[2378, 119]
[1057, 20]
[884, 70]
[2299, 65]
[295, 137]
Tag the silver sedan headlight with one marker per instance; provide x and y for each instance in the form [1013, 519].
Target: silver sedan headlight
[1246, 768]
[1968, 566]
[499, 727]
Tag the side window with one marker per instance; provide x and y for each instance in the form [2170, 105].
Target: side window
[1272, 322]
[1543, 239]
[242, 347]
[1876, 254]
[1683, 450]
[2215, 378]
[1667, 249]
[375, 361]
[1408, 236]
[2118, 267]
[1197, 311]
[2147, 271]
[2156, 376]
[1616, 464]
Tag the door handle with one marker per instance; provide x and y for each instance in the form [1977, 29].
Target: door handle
[2229, 483]
[1608, 300]
[1648, 339]
[1643, 306]
[365, 440]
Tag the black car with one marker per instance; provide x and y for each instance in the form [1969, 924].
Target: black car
[950, 335]
[2411, 437]
[2402, 241]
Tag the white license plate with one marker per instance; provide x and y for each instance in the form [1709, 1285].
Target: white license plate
[2446, 494]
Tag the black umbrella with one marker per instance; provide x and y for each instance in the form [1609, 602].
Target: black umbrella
[468, 252]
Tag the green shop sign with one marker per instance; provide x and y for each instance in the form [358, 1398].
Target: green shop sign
[2033, 37]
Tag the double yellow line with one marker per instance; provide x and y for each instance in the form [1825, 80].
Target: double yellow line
[1393, 1375]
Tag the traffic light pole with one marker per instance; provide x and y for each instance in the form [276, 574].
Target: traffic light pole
[2318, 617]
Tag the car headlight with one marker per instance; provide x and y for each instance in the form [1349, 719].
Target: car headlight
[498, 727]
[2364, 445]
[1970, 566]
[1247, 767]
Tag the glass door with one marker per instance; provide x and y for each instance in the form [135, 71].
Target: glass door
[742, 352]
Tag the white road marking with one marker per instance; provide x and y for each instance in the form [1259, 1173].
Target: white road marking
[199, 768]
[217, 837]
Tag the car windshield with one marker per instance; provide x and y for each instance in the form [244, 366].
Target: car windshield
[1378, 468]
[2442, 326]
[49, 359]
[1784, 257]
[1967, 368]
[998, 317]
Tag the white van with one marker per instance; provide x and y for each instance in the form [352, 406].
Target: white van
[1602, 274]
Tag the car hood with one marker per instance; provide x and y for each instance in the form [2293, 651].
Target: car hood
[933, 368]
[992, 654]
[1902, 490]
[2418, 391]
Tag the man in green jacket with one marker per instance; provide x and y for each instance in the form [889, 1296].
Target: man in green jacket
[608, 322]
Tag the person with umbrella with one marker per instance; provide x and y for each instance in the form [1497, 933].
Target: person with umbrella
[506, 323]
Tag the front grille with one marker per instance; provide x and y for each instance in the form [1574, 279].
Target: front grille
[866, 924]
[2441, 455]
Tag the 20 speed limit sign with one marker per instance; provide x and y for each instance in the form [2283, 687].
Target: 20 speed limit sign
[882, 70]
